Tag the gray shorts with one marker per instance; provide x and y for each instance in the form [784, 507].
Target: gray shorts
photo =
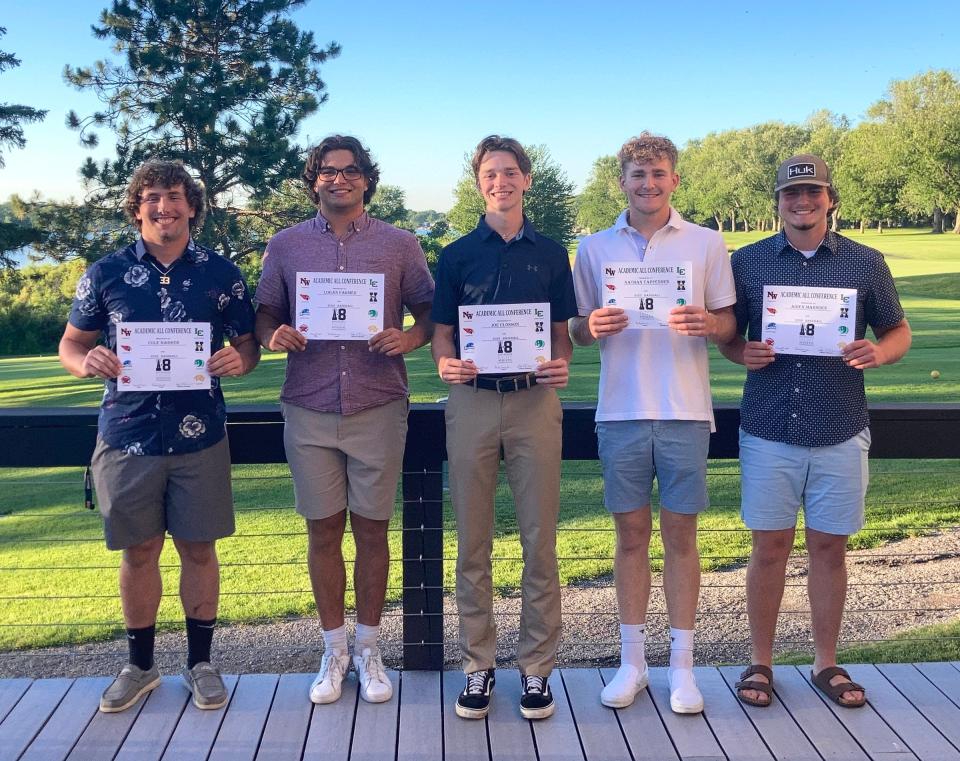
[142, 496]
[634, 452]
[830, 483]
[339, 461]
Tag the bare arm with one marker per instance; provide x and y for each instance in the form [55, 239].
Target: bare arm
[451, 369]
[394, 341]
[892, 343]
[80, 355]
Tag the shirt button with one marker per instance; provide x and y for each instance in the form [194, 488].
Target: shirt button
[794, 414]
[342, 346]
[799, 365]
[804, 264]
[341, 244]
[797, 390]
[340, 268]
[345, 372]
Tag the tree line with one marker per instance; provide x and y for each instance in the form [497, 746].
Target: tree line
[901, 164]
[224, 87]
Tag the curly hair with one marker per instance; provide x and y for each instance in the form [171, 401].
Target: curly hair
[647, 147]
[497, 143]
[166, 174]
[361, 156]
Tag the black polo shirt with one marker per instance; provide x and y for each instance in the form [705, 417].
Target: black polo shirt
[806, 400]
[483, 268]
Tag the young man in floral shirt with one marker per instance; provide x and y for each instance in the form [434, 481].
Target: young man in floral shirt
[162, 462]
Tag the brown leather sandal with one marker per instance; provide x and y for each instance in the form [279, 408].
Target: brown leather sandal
[746, 683]
[835, 691]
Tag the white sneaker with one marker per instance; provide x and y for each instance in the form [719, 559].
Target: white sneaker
[333, 668]
[623, 688]
[685, 696]
[375, 687]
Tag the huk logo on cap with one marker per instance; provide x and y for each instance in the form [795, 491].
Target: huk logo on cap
[795, 171]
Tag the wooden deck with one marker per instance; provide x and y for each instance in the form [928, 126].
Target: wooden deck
[914, 714]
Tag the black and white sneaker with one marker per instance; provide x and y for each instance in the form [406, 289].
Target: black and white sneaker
[537, 700]
[474, 701]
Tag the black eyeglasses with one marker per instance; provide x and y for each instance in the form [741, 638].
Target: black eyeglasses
[329, 173]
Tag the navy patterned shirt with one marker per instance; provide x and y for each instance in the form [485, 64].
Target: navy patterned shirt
[125, 287]
[806, 400]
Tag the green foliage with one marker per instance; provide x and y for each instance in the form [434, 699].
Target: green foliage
[548, 203]
[13, 116]
[869, 183]
[601, 201]
[433, 242]
[424, 218]
[389, 205]
[71, 230]
[34, 304]
[922, 115]
[221, 86]
[728, 177]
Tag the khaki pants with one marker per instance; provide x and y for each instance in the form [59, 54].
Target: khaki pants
[527, 425]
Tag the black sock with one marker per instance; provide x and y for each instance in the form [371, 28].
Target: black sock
[140, 644]
[199, 639]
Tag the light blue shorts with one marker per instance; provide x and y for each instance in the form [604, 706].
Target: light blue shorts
[634, 452]
[829, 482]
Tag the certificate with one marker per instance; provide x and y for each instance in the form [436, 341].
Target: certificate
[163, 356]
[339, 306]
[812, 321]
[647, 292]
[505, 338]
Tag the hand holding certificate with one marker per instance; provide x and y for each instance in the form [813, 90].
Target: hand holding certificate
[809, 321]
[505, 338]
[163, 356]
[341, 306]
[647, 292]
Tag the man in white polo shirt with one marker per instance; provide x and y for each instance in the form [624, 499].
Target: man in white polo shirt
[653, 289]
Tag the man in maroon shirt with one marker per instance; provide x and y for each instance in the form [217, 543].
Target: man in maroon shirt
[345, 401]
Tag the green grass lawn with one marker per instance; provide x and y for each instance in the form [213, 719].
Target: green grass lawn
[55, 569]
[51, 550]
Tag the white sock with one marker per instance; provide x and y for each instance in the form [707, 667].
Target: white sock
[632, 640]
[366, 637]
[681, 648]
[335, 639]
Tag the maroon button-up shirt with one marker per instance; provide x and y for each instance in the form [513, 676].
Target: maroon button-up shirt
[345, 376]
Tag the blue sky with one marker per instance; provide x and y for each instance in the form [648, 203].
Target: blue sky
[421, 83]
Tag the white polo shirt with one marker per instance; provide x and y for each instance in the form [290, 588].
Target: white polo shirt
[655, 374]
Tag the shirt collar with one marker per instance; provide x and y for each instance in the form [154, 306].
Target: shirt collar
[830, 242]
[527, 231]
[140, 250]
[358, 224]
[623, 224]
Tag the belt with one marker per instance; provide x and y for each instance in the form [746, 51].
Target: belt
[506, 384]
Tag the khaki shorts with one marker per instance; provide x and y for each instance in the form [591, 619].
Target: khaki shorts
[346, 461]
[142, 496]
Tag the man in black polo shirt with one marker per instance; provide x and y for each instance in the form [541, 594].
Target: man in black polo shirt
[504, 261]
[804, 435]
[162, 462]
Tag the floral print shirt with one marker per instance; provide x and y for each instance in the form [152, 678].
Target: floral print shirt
[125, 286]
